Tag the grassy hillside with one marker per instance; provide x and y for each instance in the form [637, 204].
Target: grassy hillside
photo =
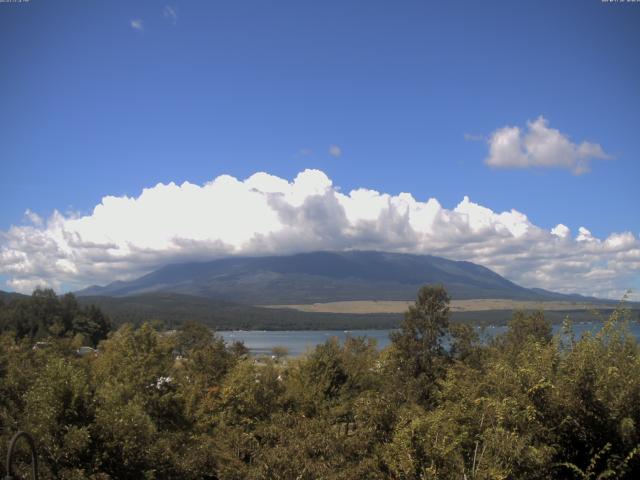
[468, 305]
[174, 309]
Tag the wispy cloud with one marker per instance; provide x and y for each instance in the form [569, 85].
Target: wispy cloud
[170, 13]
[473, 137]
[137, 24]
[264, 214]
[303, 152]
[541, 146]
[335, 151]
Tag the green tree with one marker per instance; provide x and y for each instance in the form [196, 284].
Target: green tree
[58, 412]
[138, 409]
[418, 351]
[45, 315]
[279, 353]
[524, 328]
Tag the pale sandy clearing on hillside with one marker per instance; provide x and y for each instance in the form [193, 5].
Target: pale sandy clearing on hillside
[392, 306]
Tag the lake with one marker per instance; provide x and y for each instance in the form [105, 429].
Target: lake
[297, 342]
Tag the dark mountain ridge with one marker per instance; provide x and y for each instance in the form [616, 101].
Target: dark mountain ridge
[324, 277]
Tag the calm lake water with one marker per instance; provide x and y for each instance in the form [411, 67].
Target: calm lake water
[298, 342]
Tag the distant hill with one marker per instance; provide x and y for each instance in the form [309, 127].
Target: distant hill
[324, 277]
[173, 309]
[9, 296]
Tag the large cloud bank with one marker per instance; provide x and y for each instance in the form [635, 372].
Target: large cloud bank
[125, 237]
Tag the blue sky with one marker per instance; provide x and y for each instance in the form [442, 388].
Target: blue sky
[107, 98]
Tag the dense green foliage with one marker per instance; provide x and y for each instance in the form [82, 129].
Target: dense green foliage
[155, 405]
[44, 315]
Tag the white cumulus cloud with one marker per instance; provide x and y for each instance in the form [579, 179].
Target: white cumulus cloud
[540, 146]
[137, 24]
[124, 237]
